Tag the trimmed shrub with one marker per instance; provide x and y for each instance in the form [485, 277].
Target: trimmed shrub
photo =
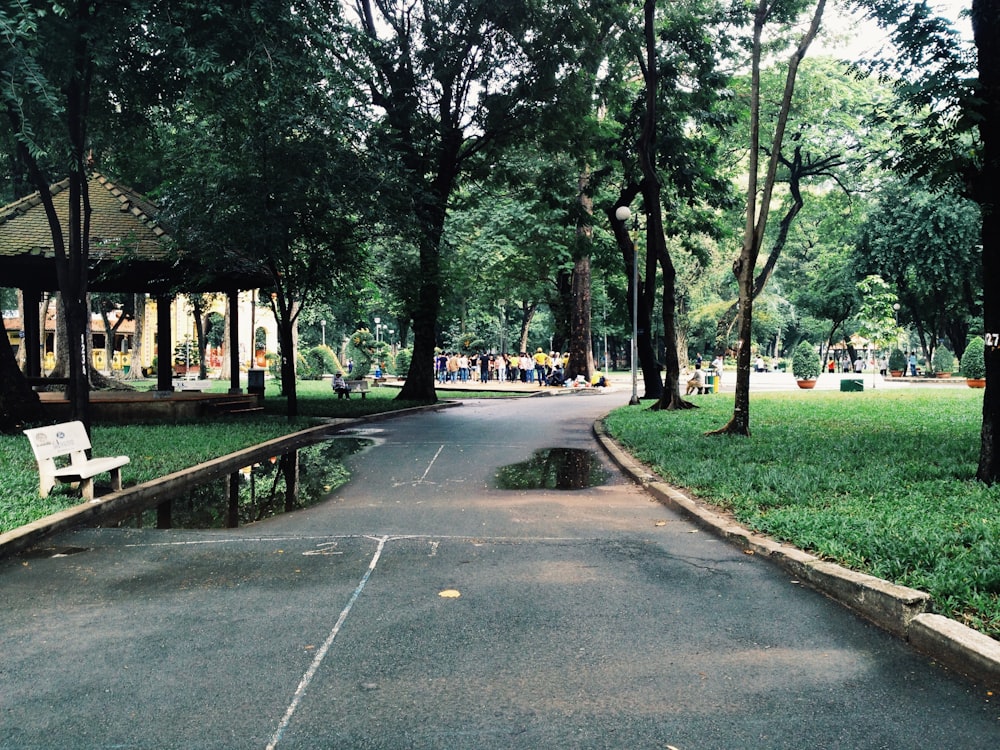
[974, 359]
[805, 362]
[943, 360]
[897, 361]
[317, 362]
[402, 363]
[361, 350]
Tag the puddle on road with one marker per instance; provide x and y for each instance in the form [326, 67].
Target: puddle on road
[281, 484]
[554, 469]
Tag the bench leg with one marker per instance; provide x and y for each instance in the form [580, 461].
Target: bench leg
[116, 480]
[87, 489]
[363, 394]
[45, 485]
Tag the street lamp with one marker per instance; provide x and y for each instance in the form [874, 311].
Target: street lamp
[501, 303]
[623, 214]
[378, 329]
[322, 325]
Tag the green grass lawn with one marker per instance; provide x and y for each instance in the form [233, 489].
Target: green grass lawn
[881, 482]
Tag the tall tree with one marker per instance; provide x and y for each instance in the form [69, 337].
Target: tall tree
[450, 80]
[262, 173]
[670, 161]
[50, 63]
[951, 130]
[761, 187]
[926, 244]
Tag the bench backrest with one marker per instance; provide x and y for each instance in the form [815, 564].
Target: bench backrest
[58, 440]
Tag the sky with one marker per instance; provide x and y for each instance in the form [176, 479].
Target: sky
[852, 38]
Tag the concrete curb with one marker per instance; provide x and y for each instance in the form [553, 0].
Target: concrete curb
[114, 506]
[900, 610]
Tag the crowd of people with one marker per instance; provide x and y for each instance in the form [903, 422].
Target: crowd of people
[541, 368]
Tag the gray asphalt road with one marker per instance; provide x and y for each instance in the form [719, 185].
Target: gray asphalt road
[420, 607]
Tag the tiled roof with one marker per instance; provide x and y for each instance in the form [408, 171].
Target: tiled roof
[122, 225]
[129, 250]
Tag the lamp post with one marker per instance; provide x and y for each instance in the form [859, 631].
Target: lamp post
[378, 330]
[322, 325]
[501, 303]
[623, 214]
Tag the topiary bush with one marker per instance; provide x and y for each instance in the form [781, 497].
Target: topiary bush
[897, 361]
[943, 360]
[974, 359]
[402, 363]
[805, 362]
[317, 362]
[361, 350]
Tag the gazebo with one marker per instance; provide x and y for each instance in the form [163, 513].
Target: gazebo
[130, 251]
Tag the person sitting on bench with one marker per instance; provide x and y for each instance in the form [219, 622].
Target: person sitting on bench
[697, 382]
[340, 386]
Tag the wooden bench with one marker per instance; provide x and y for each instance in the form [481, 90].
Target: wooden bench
[70, 439]
[353, 386]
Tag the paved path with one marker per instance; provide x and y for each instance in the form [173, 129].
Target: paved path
[585, 619]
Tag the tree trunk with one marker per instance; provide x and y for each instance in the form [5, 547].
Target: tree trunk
[135, 353]
[286, 344]
[581, 351]
[19, 404]
[527, 313]
[986, 30]
[420, 382]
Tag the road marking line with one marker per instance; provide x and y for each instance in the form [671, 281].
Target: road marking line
[428, 469]
[321, 654]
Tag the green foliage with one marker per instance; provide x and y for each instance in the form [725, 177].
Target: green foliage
[805, 362]
[402, 363]
[924, 244]
[943, 360]
[897, 361]
[877, 316]
[882, 482]
[186, 353]
[317, 362]
[361, 350]
[974, 359]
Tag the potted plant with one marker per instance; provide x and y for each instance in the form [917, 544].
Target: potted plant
[897, 363]
[943, 362]
[187, 358]
[973, 366]
[805, 365]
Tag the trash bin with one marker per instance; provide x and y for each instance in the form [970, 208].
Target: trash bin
[255, 382]
[852, 384]
[710, 386]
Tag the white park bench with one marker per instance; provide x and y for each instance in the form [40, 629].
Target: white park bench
[70, 439]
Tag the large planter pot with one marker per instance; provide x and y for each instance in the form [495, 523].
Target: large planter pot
[807, 384]
[942, 375]
[975, 382]
[896, 373]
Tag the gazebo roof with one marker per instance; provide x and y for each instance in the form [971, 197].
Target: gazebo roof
[130, 250]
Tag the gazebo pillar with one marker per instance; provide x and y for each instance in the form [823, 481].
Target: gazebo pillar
[32, 342]
[164, 353]
[234, 341]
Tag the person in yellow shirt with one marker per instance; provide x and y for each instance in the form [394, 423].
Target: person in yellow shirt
[541, 360]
